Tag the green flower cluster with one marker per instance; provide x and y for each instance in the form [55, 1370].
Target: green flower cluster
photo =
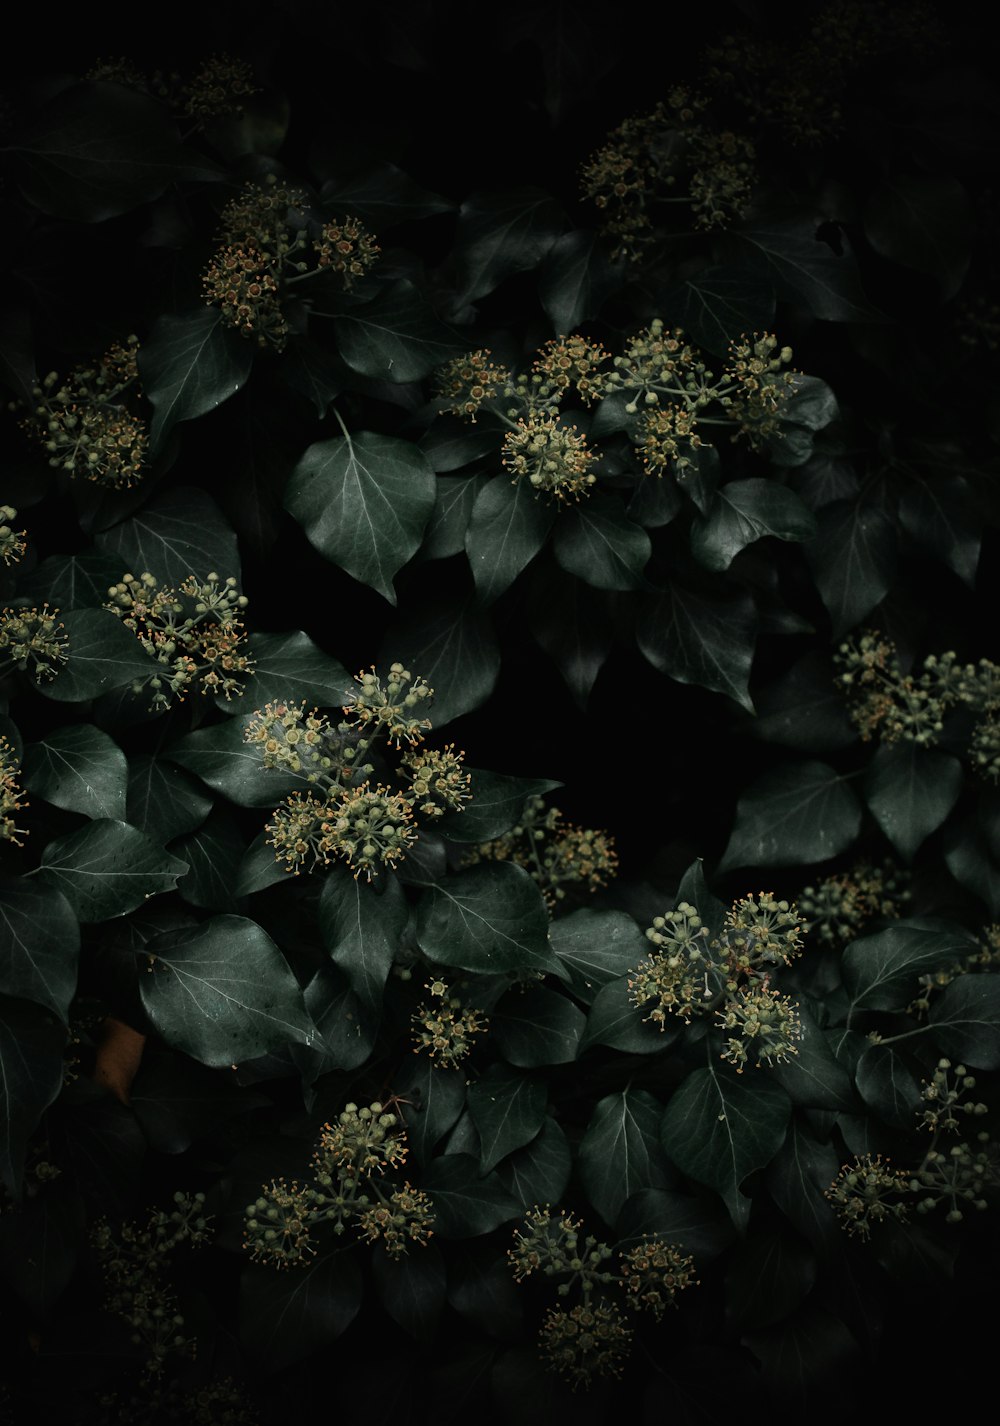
[837, 908]
[444, 1027]
[32, 640]
[10, 793]
[559, 857]
[12, 542]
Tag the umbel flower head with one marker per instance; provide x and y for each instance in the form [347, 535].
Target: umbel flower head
[444, 1027]
[392, 708]
[13, 543]
[866, 1192]
[10, 793]
[466, 382]
[33, 639]
[591, 1339]
[554, 458]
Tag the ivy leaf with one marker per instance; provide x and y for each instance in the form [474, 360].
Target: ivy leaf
[78, 768]
[449, 444]
[925, 223]
[452, 646]
[31, 1075]
[179, 533]
[966, 1020]
[814, 1076]
[411, 1288]
[507, 528]
[381, 195]
[465, 1205]
[967, 857]
[719, 304]
[481, 1288]
[574, 625]
[507, 1109]
[576, 279]
[616, 1020]
[77, 582]
[396, 336]
[291, 668]
[888, 1086]
[802, 268]
[599, 543]
[313, 372]
[708, 642]
[881, 971]
[346, 1029]
[161, 800]
[361, 931]
[453, 504]
[620, 1151]
[500, 234]
[910, 791]
[853, 560]
[536, 1026]
[490, 917]
[745, 511]
[222, 992]
[108, 868]
[596, 947]
[718, 1128]
[804, 710]
[434, 1098]
[285, 1317]
[811, 407]
[94, 151]
[176, 1100]
[259, 867]
[698, 1226]
[797, 1177]
[497, 805]
[363, 501]
[222, 759]
[540, 1172]
[939, 516]
[213, 854]
[188, 366]
[102, 655]
[769, 1276]
[39, 945]
[792, 815]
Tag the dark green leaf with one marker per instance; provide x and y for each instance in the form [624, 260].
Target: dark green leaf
[449, 444]
[708, 642]
[803, 268]
[910, 791]
[534, 1026]
[453, 504]
[188, 366]
[465, 1204]
[396, 336]
[382, 195]
[31, 1075]
[345, 1027]
[791, 815]
[938, 514]
[507, 1109]
[719, 304]
[176, 1100]
[798, 1176]
[814, 1077]
[490, 917]
[285, 1317]
[698, 1226]
[853, 560]
[108, 868]
[290, 668]
[259, 867]
[213, 854]
[508, 526]
[78, 768]
[412, 1288]
[222, 992]
[313, 372]
[433, 1098]
[811, 407]
[163, 801]
[810, 1357]
[39, 945]
[719, 1127]
[769, 1275]
[597, 947]
[967, 857]
[454, 648]
[804, 710]
[574, 625]
[103, 655]
[620, 1152]
[496, 806]
[616, 1020]
[598, 542]
[221, 758]
[881, 971]
[923, 222]
[94, 151]
[363, 500]
[745, 511]
[575, 280]
[966, 1020]
[481, 1288]
[73, 582]
[538, 1173]
[502, 233]
[179, 533]
[654, 503]
[888, 1086]
[362, 931]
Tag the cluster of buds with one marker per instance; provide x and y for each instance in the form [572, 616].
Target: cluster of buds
[85, 423]
[867, 1191]
[558, 856]
[215, 90]
[694, 974]
[348, 1168]
[445, 1028]
[10, 794]
[132, 1262]
[13, 543]
[192, 633]
[553, 457]
[986, 957]
[32, 640]
[593, 1338]
[911, 707]
[671, 155]
[268, 242]
[838, 907]
[370, 826]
